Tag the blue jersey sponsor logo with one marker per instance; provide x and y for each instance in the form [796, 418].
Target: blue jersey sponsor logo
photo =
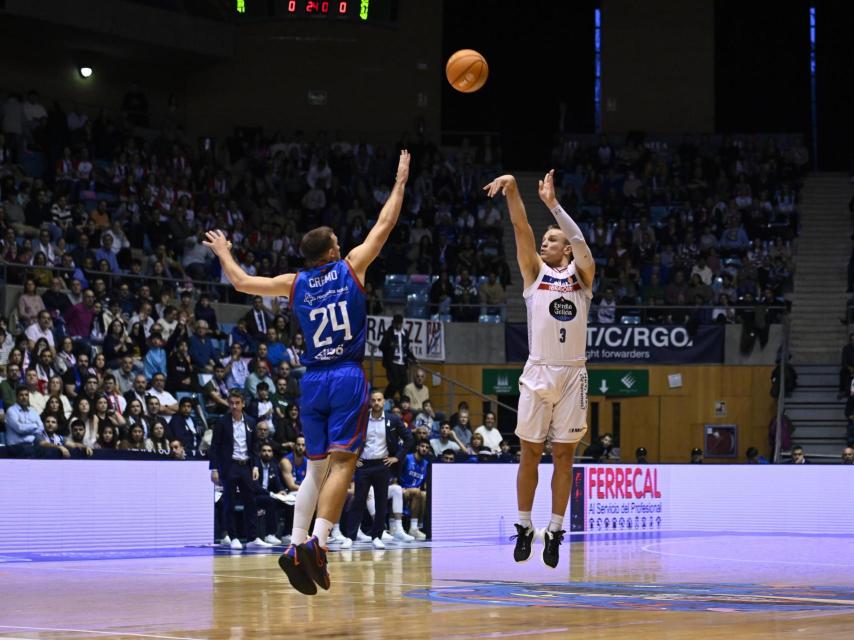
[330, 306]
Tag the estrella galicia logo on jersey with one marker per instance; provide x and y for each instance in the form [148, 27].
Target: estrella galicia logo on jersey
[563, 309]
[723, 598]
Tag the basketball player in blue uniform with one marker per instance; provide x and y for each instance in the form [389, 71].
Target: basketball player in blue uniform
[329, 301]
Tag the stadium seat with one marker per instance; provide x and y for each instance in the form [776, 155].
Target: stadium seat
[394, 289]
[416, 306]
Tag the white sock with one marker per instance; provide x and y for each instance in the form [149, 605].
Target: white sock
[396, 525]
[413, 525]
[395, 492]
[336, 530]
[307, 498]
[556, 523]
[525, 519]
[321, 530]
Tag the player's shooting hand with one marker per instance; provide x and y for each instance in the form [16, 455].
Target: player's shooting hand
[502, 184]
[547, 190]
[217, 242]
[403, 167]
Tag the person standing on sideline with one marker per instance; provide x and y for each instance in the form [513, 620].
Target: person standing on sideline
[557, 281]
[387, 441]
[396, 356]
[329, 302]
[233, 465]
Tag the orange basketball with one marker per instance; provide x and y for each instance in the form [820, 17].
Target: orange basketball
[467, 70]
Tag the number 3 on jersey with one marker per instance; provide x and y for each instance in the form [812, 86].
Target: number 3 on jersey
[328, 315]
[563, 335]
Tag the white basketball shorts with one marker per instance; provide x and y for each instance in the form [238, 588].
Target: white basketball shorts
[552, 403]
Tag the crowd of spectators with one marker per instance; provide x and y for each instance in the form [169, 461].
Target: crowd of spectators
[704, 224]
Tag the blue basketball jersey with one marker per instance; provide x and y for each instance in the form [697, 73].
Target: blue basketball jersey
[329, 303]
[299, 471]
[414, 473]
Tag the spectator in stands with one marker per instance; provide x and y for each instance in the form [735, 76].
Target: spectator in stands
[180, 371]
[276, 349]
[37, 399]
[447, 440]
[493, 298]
[204, 311]
[156, 442]
[236, 367]
[848, 455]
[490, 433]
[417, 391]
[135, 415]
[155, 358]
[427, 418]
[465, 298]
[601, 450]
[176, 450]
[441, 294]
[261, 406]
[168, 403]
[135, 440]
[216, 391]
[240, 335]
[462, 427]
[23, 427]
[185, 428]
[80, 317]
[606, 307]
[798, 456]
[295, 353]
[103, 415]
[41, 329]
[29, 303]
[258, 319]
[50, 437]
[396, 356]
[260, 374]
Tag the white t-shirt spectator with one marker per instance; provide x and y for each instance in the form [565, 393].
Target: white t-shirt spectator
[491, 437]
[166, 399]
[34, 332]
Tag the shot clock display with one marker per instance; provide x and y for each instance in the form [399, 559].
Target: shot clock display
[364, 11]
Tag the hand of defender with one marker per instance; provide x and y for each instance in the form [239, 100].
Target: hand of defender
[547, 190]
[217, 242]
[501, 183]
[403, 167]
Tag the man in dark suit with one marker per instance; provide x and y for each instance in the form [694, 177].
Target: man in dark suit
[387, 441]
[396, 356]
[269, 484]
[185, 427]
[233, 463]
[258, 319]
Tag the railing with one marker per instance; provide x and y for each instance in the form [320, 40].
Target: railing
[781, 393]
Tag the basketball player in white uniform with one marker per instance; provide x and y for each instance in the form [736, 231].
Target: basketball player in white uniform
[558, 281]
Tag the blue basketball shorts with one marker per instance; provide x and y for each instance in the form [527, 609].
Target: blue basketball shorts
[334, 409]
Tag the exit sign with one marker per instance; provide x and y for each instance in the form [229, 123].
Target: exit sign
[618, 382]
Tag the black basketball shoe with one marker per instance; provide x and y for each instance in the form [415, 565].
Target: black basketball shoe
[524, 543]
[551, 547]
[290, 563]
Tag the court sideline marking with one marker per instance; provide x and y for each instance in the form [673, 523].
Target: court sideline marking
[648, 549]
[99, 633]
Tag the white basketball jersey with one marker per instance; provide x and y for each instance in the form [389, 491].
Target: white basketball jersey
[557, 303]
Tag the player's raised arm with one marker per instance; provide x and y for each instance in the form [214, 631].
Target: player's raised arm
[581, 254]
[361, 257]
[253, 285]
[526, 245]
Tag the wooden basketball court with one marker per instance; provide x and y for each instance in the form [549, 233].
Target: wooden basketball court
[709, 586]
